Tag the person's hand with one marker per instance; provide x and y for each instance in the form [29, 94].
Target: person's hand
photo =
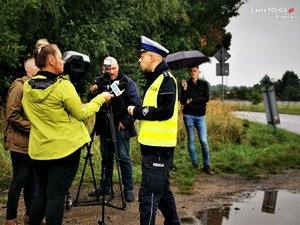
[130, 109]
[121, 126]
[184, 84]
[93, 88]
[188, 101]
[107, 96]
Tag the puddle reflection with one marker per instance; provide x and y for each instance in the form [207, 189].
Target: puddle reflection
[276, 207]
[269, 201]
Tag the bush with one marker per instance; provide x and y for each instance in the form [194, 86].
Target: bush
[5, 162]
[222, 126]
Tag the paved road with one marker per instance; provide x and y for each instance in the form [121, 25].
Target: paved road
[287, 122]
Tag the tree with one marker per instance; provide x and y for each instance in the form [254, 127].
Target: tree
[110, 27]
[288, 88]
[266, 81]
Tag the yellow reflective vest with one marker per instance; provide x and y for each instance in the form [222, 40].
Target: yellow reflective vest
[158, 133]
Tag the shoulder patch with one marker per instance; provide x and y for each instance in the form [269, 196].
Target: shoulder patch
[145, 111]
[166, 74]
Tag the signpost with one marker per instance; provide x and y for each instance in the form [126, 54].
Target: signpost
[270, 105]
[222, 68]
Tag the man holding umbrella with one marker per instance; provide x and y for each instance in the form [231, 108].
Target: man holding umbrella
[194, 97]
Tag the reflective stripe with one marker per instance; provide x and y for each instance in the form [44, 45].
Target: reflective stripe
[158, 133]
[152, 203]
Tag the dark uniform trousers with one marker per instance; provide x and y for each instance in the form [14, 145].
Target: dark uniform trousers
[155, 189]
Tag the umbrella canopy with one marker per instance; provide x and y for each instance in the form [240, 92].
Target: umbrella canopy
[184, 59]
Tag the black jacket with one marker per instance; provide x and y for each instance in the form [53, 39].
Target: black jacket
[199, 94]
[118, 105]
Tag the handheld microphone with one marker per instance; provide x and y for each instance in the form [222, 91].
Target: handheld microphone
[118, 86]
[115, 89]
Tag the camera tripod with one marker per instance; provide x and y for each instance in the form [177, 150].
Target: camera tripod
[113, 141]
[88, 159]
[105, 201]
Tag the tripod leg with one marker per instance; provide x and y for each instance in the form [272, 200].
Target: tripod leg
[94, 179]
[81, 179]
[115, 148]
[103, 171]
[88, 158]
[119, 175]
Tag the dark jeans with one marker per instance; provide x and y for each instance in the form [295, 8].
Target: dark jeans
[23, 177]
[54, 179]
[155, 192]
[123, 151]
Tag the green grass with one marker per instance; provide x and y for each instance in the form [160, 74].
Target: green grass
[263, 151]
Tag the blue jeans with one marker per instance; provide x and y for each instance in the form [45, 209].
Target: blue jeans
[197, 122]
[123, 151]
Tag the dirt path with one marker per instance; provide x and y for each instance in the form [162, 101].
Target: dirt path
[208, 192]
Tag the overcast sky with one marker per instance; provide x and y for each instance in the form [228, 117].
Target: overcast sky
[265, 40]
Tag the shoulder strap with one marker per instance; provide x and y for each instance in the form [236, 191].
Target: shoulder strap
[166, 73]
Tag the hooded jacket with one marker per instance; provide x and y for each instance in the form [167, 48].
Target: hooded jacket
[17, 127]
[55, 111]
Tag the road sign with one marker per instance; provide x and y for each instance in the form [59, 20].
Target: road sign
[222, 69]
[222, 55]
[270, 104]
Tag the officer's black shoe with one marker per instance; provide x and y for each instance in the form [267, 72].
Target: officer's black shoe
[129, 197]
[100, 192]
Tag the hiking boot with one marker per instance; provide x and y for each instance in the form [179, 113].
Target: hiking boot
[12, 222]
[100, 192]
[195, 165]
[207, 170]
[129, 197]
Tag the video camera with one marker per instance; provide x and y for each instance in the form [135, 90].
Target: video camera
[76, 66]
[106, 66]
[103, 78]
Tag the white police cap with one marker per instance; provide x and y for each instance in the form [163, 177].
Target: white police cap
[150, 45]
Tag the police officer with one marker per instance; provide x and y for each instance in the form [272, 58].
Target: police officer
[158, 133]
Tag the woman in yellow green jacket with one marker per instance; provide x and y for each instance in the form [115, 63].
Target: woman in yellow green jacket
[56, 114]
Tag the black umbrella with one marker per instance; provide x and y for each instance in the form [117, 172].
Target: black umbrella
[184, 59]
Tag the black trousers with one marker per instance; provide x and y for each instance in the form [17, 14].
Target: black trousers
[155, 189]
[54, 179]
[23, 177]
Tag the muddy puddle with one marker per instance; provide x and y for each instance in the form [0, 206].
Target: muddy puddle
[276, 207]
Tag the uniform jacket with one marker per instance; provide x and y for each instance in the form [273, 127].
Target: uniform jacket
[17, 127]
[199, 93]
[55, 111]
[165, 104]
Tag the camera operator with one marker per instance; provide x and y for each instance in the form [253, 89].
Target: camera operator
[124, 126]
[57, 133]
